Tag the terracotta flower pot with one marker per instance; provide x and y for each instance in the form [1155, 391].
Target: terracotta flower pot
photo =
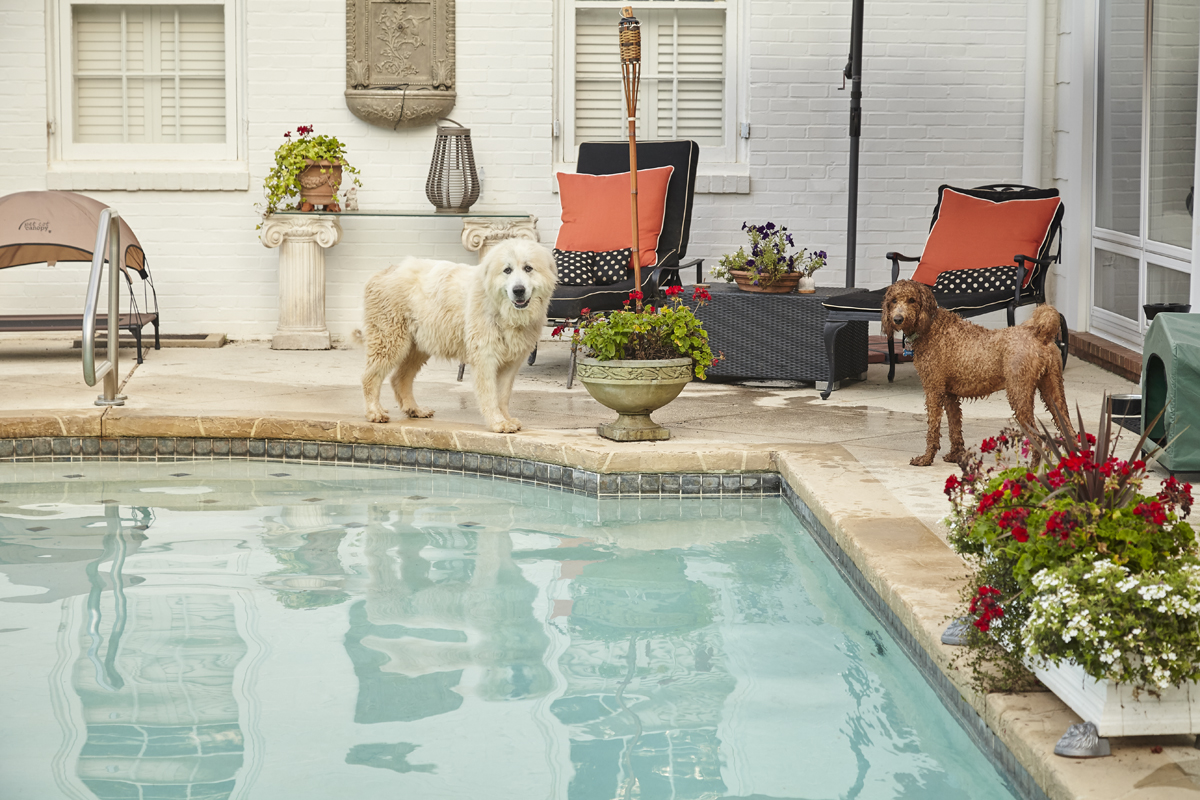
[784, 284]
[319, 181]
[634, 389]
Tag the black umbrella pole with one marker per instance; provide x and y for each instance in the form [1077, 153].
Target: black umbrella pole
[855, 69]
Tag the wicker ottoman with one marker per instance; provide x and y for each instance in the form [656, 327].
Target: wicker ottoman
[779, 336]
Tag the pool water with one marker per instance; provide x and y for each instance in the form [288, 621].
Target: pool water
[267, 630]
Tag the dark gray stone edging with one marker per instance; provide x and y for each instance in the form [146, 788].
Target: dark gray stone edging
[567, 479]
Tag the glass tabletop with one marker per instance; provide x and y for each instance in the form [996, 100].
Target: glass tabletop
[428, 212]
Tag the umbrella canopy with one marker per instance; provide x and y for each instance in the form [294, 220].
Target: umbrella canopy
[49, 227]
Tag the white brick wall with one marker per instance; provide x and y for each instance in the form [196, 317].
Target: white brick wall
[943, 88]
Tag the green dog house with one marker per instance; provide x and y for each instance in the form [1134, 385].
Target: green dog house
[1171, 381]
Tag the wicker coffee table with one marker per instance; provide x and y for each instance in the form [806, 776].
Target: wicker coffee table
[779, 336]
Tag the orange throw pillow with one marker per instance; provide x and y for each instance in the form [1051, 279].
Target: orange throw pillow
[972, 233]
[596, 213]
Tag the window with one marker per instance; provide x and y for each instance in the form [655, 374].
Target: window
[141, 82]
[688, 76]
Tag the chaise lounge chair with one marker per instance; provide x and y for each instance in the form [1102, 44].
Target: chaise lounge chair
[976, 258]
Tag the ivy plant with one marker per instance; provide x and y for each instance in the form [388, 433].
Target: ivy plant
[294, 156]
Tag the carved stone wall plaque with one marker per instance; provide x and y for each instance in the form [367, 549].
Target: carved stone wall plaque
[400, 61]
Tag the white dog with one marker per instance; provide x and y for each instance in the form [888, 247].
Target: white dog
[487, 316]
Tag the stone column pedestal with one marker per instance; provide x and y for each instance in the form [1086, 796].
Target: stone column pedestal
[302, 242]
[480, 233]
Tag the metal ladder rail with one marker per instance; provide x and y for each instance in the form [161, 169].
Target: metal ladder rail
[108, 237]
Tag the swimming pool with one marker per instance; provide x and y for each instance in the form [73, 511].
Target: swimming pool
[216, 629]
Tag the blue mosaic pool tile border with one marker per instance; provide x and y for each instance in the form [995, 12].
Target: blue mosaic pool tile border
[518, 470]
[1019, 779]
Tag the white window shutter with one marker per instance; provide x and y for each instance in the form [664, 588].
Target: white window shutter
[149, 74]
[683, 83]
[691, 85]
[599, 96]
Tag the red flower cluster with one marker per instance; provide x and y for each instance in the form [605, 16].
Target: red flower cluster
[990, 499]
[952, 484]
[1177, 493]
[672, 291]
[985, 605]
[1151, 512]
[1078, 462]
[700, 293]
[992, 442]
[636, 294]
[1012, 487]
[1013, 521]
[558, 330]
[304, 130]
[1060, 525]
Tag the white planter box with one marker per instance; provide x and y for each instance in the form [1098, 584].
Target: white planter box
[1113, 708]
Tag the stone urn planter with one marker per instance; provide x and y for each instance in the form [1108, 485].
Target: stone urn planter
[784, 284]
[1113, 708]
[634, 389]
[319, 181]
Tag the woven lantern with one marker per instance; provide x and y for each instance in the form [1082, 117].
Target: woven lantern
[453, 184]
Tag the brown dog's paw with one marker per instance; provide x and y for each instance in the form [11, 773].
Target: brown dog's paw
[377, 415]
[922, 461]
[507, 426]
[419, 413]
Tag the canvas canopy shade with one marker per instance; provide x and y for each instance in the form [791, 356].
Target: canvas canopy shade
[37, 227]
[1171, 384]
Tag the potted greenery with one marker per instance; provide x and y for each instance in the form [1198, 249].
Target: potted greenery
[639, 359]
[308, 168]
[770, 267]
[1081, 577]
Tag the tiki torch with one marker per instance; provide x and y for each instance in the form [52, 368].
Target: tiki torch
[629, 32]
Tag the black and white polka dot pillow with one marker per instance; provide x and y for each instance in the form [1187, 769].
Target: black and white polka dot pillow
[972, 281]
[575, 267]
[612, 265]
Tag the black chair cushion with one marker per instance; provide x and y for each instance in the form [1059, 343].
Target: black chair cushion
[608, 158]
[856, 301]
[968, 304]
[569, 301]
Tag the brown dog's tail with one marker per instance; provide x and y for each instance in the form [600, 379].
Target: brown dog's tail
[1044, 322]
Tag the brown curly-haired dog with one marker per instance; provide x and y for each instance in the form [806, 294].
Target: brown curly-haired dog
[956, 359]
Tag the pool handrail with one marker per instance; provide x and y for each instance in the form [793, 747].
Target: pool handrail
[108, 237]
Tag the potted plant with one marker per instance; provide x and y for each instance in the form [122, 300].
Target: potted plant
[769, 267]
[638, 359]
[807, 263]
[309, 168]
[1081, 577]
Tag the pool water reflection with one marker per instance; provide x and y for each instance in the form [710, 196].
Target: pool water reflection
[229, 629]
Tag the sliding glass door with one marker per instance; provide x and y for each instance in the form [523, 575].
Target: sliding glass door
[1148, 54]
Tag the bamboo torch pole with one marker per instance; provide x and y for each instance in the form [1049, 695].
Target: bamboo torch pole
[630, 37]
